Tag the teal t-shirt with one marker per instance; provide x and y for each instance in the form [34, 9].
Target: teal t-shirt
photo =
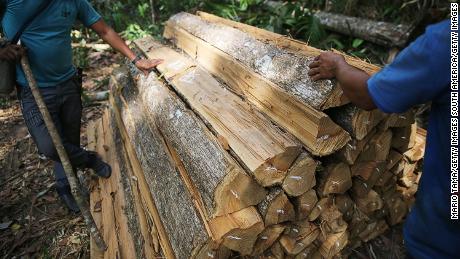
[47, 38]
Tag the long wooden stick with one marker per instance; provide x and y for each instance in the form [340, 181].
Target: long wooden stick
[84, 207]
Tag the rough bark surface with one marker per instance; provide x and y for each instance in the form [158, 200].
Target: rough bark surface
[382, 33]
[223, 185]
[283, 68]
[314, 129]
[263, 148]
[162, 177]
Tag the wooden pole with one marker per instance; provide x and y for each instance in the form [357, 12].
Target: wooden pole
[84, 207]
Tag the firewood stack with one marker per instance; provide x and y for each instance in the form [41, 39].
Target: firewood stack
[230, 149]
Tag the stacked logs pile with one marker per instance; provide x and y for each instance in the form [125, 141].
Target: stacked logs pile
[230, 149]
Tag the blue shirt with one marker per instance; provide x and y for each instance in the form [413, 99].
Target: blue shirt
[419, 74]
[48, 38]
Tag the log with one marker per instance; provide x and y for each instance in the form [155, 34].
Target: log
[95, 193]
[396, 120]
[223, 185]
[393, 158]
[378, 148]
[264, 149]
[276, 251]
[281, 67]
[333, 244]
[314, 129]
[332, 220]
[359, 123]
[417, 152]
[377, 229]
[345, 205]
[369, 172]
[301, 176]
[382, 33]
[335, 179]
[285, 42]
[350, 152]
[384, 179]
[372, 202]
[211, 250]
[304, 204]
[359, 187]
[276, 207]
[320, 206]
[308, 253]
[404, 138]
[397, 209]
[116, 200]
[160, 178]
[266, 239]
[237, 230]
[299, 236]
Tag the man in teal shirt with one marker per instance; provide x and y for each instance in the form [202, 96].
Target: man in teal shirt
[48, 43]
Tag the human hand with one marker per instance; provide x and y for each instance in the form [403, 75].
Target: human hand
[11, 52]
[326, 66]
[146, 65]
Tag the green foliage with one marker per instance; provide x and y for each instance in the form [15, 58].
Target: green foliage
[137, 18]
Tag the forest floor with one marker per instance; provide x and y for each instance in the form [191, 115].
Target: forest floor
[34, 222]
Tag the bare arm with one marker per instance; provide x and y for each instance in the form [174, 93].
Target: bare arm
[113, 39]
[353, 81]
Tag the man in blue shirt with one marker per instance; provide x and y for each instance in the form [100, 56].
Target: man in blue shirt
[419, 74]
[48, 44]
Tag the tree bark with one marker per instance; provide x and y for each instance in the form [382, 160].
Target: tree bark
[162, 177]
[223, 185]
[382, 33]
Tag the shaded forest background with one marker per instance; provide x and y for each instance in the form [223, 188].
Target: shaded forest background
[137, 18]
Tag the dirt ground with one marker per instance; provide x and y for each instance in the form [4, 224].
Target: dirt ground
[34, 222]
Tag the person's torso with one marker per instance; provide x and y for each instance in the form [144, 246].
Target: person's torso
[47, 38]
[429, 231]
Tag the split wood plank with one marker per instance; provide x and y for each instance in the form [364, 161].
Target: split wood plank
[319, 134]
[95, 196]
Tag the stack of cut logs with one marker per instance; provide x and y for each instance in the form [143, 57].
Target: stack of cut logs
[230, 149]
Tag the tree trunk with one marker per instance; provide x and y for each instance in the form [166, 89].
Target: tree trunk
[382, 33]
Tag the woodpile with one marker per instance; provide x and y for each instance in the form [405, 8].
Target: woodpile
[230, 149]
